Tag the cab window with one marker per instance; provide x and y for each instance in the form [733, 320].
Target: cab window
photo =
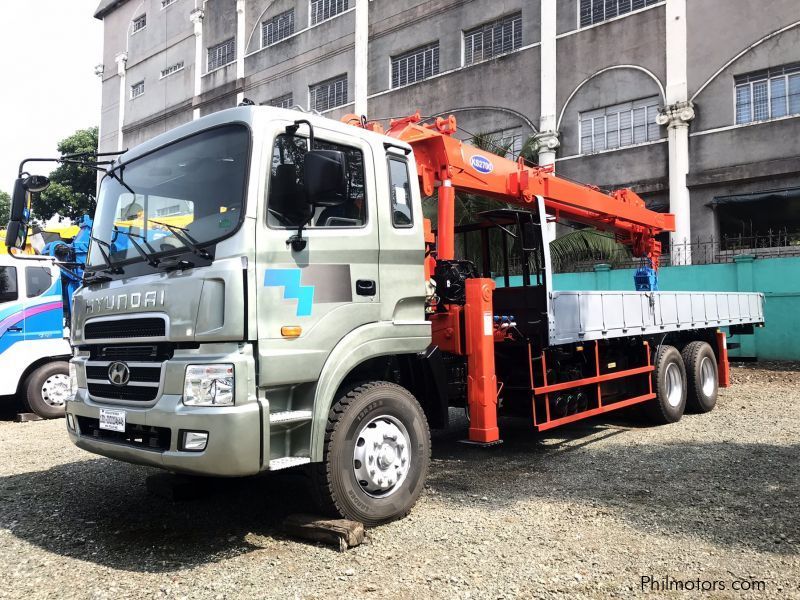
[8, 284]
[37, 281]
[400, 193]
[285, 205]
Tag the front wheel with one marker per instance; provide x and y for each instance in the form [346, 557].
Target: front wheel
[47, 390]
[376, 456]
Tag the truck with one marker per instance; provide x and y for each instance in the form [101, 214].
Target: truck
[306, 314]
[35, 301]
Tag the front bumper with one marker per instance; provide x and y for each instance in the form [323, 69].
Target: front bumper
[236, 434]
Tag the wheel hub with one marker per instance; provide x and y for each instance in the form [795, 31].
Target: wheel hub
[674, 384]
[56, 390]
[381, 456]
[708, 376]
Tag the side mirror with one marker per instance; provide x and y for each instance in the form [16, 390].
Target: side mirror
[325, 177]
[17, 233]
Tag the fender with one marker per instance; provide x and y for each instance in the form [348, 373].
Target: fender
[368, 341]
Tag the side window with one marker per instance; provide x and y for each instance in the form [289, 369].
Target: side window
[285, 204]
[400, 193]
[37, 280]
[8, 284]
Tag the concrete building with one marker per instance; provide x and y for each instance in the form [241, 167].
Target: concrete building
[693, 103]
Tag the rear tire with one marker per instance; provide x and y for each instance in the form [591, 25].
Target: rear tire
[376, 456]
[47, 389]
[669, 381]
[702, 376]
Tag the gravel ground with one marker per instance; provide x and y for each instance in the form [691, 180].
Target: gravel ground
[585, 511]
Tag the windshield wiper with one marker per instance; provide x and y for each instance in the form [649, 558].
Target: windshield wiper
[112, 267]
[184, 238]
[90, 279]
[153, 262]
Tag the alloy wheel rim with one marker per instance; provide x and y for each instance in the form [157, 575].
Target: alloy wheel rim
[674, 384]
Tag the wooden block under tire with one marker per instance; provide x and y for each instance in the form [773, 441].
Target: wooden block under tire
[341, 533]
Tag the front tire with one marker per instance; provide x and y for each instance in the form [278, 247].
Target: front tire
[669, 381]
[47, 389]
[701, 372]
[376, 456]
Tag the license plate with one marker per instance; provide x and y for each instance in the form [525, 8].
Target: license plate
[112, 420]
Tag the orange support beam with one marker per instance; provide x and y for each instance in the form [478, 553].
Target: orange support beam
[723, 366]
[481, 377]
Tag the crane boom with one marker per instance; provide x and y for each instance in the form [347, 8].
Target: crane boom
[446, 162]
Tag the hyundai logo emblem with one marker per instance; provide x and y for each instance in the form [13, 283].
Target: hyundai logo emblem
[119, 373]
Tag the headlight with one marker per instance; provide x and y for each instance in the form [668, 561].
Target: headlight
[208, 385]
[73, 381]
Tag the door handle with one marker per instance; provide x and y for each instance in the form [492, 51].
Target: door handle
[14, 329]
[365, 287]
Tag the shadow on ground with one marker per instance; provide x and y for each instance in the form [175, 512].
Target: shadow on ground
[742, 495]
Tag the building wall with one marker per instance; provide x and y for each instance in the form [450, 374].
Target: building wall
[616, 61]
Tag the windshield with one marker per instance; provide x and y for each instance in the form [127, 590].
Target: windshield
[189, 193]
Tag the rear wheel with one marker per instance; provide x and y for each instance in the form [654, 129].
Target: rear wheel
[376, 456]
[702, 377]
[47, 390]
[669, 381]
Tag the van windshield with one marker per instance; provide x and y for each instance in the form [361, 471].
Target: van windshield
[189, 190]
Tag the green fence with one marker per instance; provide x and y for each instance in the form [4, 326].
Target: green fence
[777, 278]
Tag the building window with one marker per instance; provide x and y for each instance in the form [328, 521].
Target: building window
[166, 3]
[328, 94]
[277, 28]
[137, 89]
[768, 94]
[493, 39]
[326, 9]
[597, 11]
[139, 23]
[221, 54]
[415, 65]
[178, 66]
[619, 125]
[285, 101]
[509, 138]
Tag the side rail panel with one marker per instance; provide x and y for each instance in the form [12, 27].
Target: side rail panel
[369, 341]
[593, 315]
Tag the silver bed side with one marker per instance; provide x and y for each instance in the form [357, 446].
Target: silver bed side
[593, 315]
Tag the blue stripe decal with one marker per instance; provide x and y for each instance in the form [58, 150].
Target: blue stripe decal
[289, 280]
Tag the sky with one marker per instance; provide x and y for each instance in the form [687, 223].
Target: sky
[48, 89]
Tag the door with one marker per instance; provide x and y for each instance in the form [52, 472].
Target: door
[44, 310]
[11, 308]
[329, 287]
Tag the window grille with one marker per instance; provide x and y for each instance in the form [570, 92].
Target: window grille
[768, 94]
[597, 11]
[415, 65]
[321, 10]
[139, 23]
[328, 94]
[619, 125]
[277, 28]
[493, 39]
[221, 54]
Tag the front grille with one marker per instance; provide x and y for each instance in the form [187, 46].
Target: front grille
[125, 353]
[134, 393]
[138, 436]
[125, 328]
[138, 374]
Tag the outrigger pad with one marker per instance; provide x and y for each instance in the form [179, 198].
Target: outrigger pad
[481, 444]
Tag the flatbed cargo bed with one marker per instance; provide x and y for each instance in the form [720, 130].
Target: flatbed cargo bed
[577, 316]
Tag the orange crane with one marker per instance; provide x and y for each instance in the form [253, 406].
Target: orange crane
[467, 328]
